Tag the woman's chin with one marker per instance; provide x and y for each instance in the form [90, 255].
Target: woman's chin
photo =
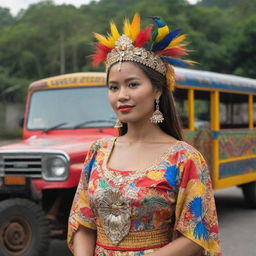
[127, 120]
[131, 120]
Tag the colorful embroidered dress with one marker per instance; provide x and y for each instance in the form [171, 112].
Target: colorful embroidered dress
[137, 212]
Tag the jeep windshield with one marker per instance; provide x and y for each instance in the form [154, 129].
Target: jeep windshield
[70, 108]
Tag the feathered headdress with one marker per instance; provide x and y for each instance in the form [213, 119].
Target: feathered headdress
[157, 48]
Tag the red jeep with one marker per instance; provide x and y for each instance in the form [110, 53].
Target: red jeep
[39, 175]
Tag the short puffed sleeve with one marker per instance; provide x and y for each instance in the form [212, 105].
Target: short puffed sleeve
[195, 214]
[81, 212]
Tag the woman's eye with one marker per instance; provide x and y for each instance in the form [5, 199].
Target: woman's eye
[133, 84]
[112, 87]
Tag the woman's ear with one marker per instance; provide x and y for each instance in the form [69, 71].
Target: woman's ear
[158, 94]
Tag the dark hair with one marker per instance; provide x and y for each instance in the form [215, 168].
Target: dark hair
[171, 124]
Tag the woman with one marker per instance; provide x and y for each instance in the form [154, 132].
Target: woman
[145, 192]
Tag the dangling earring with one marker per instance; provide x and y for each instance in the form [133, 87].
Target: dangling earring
[118, 124]
[157, 116]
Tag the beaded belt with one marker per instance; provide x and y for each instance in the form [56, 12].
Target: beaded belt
[136, 240]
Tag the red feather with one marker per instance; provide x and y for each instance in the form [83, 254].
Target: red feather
[101, 54]
[173, 52]
[143, 37]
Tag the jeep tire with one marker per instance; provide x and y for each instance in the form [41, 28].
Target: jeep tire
[23, 228]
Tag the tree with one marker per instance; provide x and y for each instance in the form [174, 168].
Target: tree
[219, 3]
[244, 51]
[208, 31]
[6, 18]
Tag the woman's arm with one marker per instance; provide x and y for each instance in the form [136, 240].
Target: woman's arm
[84, 242]
[182, 246]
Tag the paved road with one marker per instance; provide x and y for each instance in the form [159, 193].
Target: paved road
[237, 226]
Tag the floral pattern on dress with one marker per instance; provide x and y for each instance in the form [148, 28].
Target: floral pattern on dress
[173, 194]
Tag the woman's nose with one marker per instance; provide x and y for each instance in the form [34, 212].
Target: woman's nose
[123, 94]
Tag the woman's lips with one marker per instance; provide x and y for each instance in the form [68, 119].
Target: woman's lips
[125, 109]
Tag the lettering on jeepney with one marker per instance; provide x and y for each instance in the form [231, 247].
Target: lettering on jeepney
[92, 80]
[76, 81]
[62, 81]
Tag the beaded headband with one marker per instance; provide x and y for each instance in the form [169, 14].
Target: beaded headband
[125, 51]
[156, 48]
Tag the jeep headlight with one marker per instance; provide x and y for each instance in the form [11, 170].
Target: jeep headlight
[55, 167]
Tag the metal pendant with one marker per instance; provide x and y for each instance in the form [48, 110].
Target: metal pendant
[115, 211]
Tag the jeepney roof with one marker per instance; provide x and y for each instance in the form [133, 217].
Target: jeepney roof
[70, 80]
[206, 79]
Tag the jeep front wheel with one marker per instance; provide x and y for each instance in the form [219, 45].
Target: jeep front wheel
[23, 228]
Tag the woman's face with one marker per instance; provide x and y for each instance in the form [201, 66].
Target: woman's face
[131, 93]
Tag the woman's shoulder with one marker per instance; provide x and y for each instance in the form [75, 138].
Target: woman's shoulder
[180, 146]
[102, 142]
[187, 148]
[181, 152]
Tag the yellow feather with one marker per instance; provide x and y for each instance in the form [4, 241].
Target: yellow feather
[135, 26]
[191, 62]
[111, 40]
[162, 32]
[176, 41]
[183, 45]
[127, 28]
[114, 31]
[102, 39]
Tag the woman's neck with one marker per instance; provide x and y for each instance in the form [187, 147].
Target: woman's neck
[143, 131]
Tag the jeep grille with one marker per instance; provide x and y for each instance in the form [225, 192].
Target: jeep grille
[28, 165]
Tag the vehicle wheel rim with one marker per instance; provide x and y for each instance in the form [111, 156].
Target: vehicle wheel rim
[16, 235]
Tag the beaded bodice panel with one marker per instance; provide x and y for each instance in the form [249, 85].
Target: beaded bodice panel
[145, 194]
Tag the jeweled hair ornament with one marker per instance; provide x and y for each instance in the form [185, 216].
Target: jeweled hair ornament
[156, 47]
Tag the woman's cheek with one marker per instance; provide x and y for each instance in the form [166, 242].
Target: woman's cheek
[111, 100]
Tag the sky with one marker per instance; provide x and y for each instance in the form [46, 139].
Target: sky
[16, 5]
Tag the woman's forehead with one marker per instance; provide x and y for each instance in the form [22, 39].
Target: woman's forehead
[125, 70]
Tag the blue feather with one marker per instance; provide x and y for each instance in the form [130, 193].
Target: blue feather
[171, 175]
[195, 207]
[176, 62]
[165, 42]
[201, 231]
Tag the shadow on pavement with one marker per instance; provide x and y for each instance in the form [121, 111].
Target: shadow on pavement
[59, 248]
[228, 201]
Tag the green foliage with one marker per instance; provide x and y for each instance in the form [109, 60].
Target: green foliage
[244, 52]
[10, 135]
[220, 3]
[6, 18]
[48, 39]
[209, 29]
[12, 89]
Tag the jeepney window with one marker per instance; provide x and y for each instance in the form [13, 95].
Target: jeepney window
[233, 110]
[202, 109]
[181, 100]
[72, 106]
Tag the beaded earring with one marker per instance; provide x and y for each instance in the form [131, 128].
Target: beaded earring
[157, 116]
[118, 124]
